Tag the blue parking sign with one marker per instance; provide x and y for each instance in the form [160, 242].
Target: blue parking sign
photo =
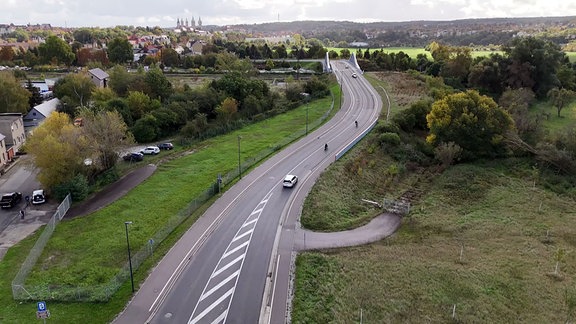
[41, 306]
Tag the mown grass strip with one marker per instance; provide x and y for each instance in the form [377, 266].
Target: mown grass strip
[87, 250]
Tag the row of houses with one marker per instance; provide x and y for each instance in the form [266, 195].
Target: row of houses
[14, 127]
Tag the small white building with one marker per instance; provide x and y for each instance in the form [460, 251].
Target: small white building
[99, 77]
[40, 112]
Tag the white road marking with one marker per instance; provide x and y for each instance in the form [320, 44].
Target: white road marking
[209, 308]
[247, 229]
[220, 284]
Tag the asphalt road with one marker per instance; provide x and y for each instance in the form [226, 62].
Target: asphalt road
[221, 269]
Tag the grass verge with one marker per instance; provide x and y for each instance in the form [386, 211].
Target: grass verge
[89, 250]
[484, 243]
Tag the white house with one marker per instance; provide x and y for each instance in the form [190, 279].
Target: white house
[40, 112]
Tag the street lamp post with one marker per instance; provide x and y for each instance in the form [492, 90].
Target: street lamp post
[307, 96]
[129, 256]
[239, 165]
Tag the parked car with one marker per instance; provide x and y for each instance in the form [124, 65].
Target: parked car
[133, 157]
[165, 146]
[10, 199]
[289, 181]
[151, 150]
[38, 197]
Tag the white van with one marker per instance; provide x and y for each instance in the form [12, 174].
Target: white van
[38, 197]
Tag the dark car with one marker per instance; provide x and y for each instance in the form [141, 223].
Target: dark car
[165, 146]
[10, 199]
[133, 157]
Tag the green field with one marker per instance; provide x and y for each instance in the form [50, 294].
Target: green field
[414, 51]
[487, 242]
[88, 251]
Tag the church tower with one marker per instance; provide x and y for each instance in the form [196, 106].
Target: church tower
[199, 21]
[193, 23]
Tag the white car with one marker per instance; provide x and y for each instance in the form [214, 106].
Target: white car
[354, 75]
[289, 181]
[151, 150]
[38, 197]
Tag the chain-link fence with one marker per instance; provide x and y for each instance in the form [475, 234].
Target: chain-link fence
[18, 289]
[100, 293]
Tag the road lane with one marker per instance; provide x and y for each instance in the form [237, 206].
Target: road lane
[201, 277]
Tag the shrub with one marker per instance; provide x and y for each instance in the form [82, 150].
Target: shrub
[77, 187]
[389, 139]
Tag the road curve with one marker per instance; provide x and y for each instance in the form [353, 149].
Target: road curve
[220, 270]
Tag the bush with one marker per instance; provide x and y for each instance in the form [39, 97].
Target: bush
[387, 127]
[389, 139]
[77, 187]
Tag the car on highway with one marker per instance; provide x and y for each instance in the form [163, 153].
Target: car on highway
[289, 181]
[151, 150]
[133, 157]
[165, 146]
[38, 197]
[10, 199]
[354, 75]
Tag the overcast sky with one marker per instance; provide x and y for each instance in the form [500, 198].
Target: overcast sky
[106, 13]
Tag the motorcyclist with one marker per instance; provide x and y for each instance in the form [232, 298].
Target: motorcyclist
[356, 123]
[325, 146]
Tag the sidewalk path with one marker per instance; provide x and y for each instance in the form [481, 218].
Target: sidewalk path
[112, 192]
[380, 227]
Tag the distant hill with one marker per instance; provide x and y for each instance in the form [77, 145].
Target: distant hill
[483, 31]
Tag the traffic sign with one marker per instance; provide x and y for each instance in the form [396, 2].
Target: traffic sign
[41, 306]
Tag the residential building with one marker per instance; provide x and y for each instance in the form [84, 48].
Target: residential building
[3, 153]
[99, 77]
[12, 128]
[40, 112]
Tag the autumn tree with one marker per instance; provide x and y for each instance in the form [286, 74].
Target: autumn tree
[13, 97]
[472, 121]
[58, 150]
[227, 110]
[107, 134]
[6, 54]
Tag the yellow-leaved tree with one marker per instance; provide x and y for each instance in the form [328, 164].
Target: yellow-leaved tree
[57, 147]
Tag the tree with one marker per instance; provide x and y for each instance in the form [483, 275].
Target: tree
[169, 57]
[13, 97]
[57, 149]
[560, 98]
[107, 134]
[227, 110]
[473, 122]
[537, 59]
[145, 129]
[6, 54]
[120, 80]
[35, 96]
[120, 51]
[74, 90]
[160, 87]
[55, 51]
[138, 103]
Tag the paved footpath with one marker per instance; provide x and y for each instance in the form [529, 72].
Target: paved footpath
[379, 228]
